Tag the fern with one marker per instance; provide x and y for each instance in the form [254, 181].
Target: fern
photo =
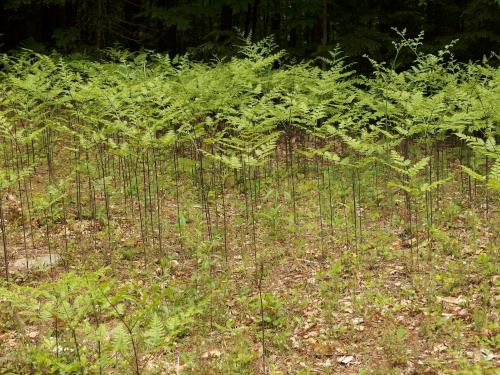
[155, 334]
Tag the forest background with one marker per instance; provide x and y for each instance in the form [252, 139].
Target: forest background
[204, 28]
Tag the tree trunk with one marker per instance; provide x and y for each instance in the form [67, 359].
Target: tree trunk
[255, 16]
[324, 24]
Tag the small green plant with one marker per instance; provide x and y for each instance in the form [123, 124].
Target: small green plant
[331, 286]
[394, 344]
[447, 244]
[89, 324]
[239, 359]
[274, 312]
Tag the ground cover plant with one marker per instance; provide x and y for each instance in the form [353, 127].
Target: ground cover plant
[244, 216]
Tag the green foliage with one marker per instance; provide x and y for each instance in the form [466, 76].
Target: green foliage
[91, 323]
[144, 162]
[394, 344]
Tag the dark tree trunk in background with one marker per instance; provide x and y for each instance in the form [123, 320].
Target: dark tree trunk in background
[292, 42]
[168, 39]
[255, 16]
[276, 21]
[247, 19]
[99, 24]
[324, 23]
[226, 18]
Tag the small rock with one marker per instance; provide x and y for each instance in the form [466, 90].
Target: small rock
[345, 359]
[211, 354]
[40, 261]
[357, 321]
[487, 354]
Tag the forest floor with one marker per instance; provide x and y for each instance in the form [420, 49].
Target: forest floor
[323, 303]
